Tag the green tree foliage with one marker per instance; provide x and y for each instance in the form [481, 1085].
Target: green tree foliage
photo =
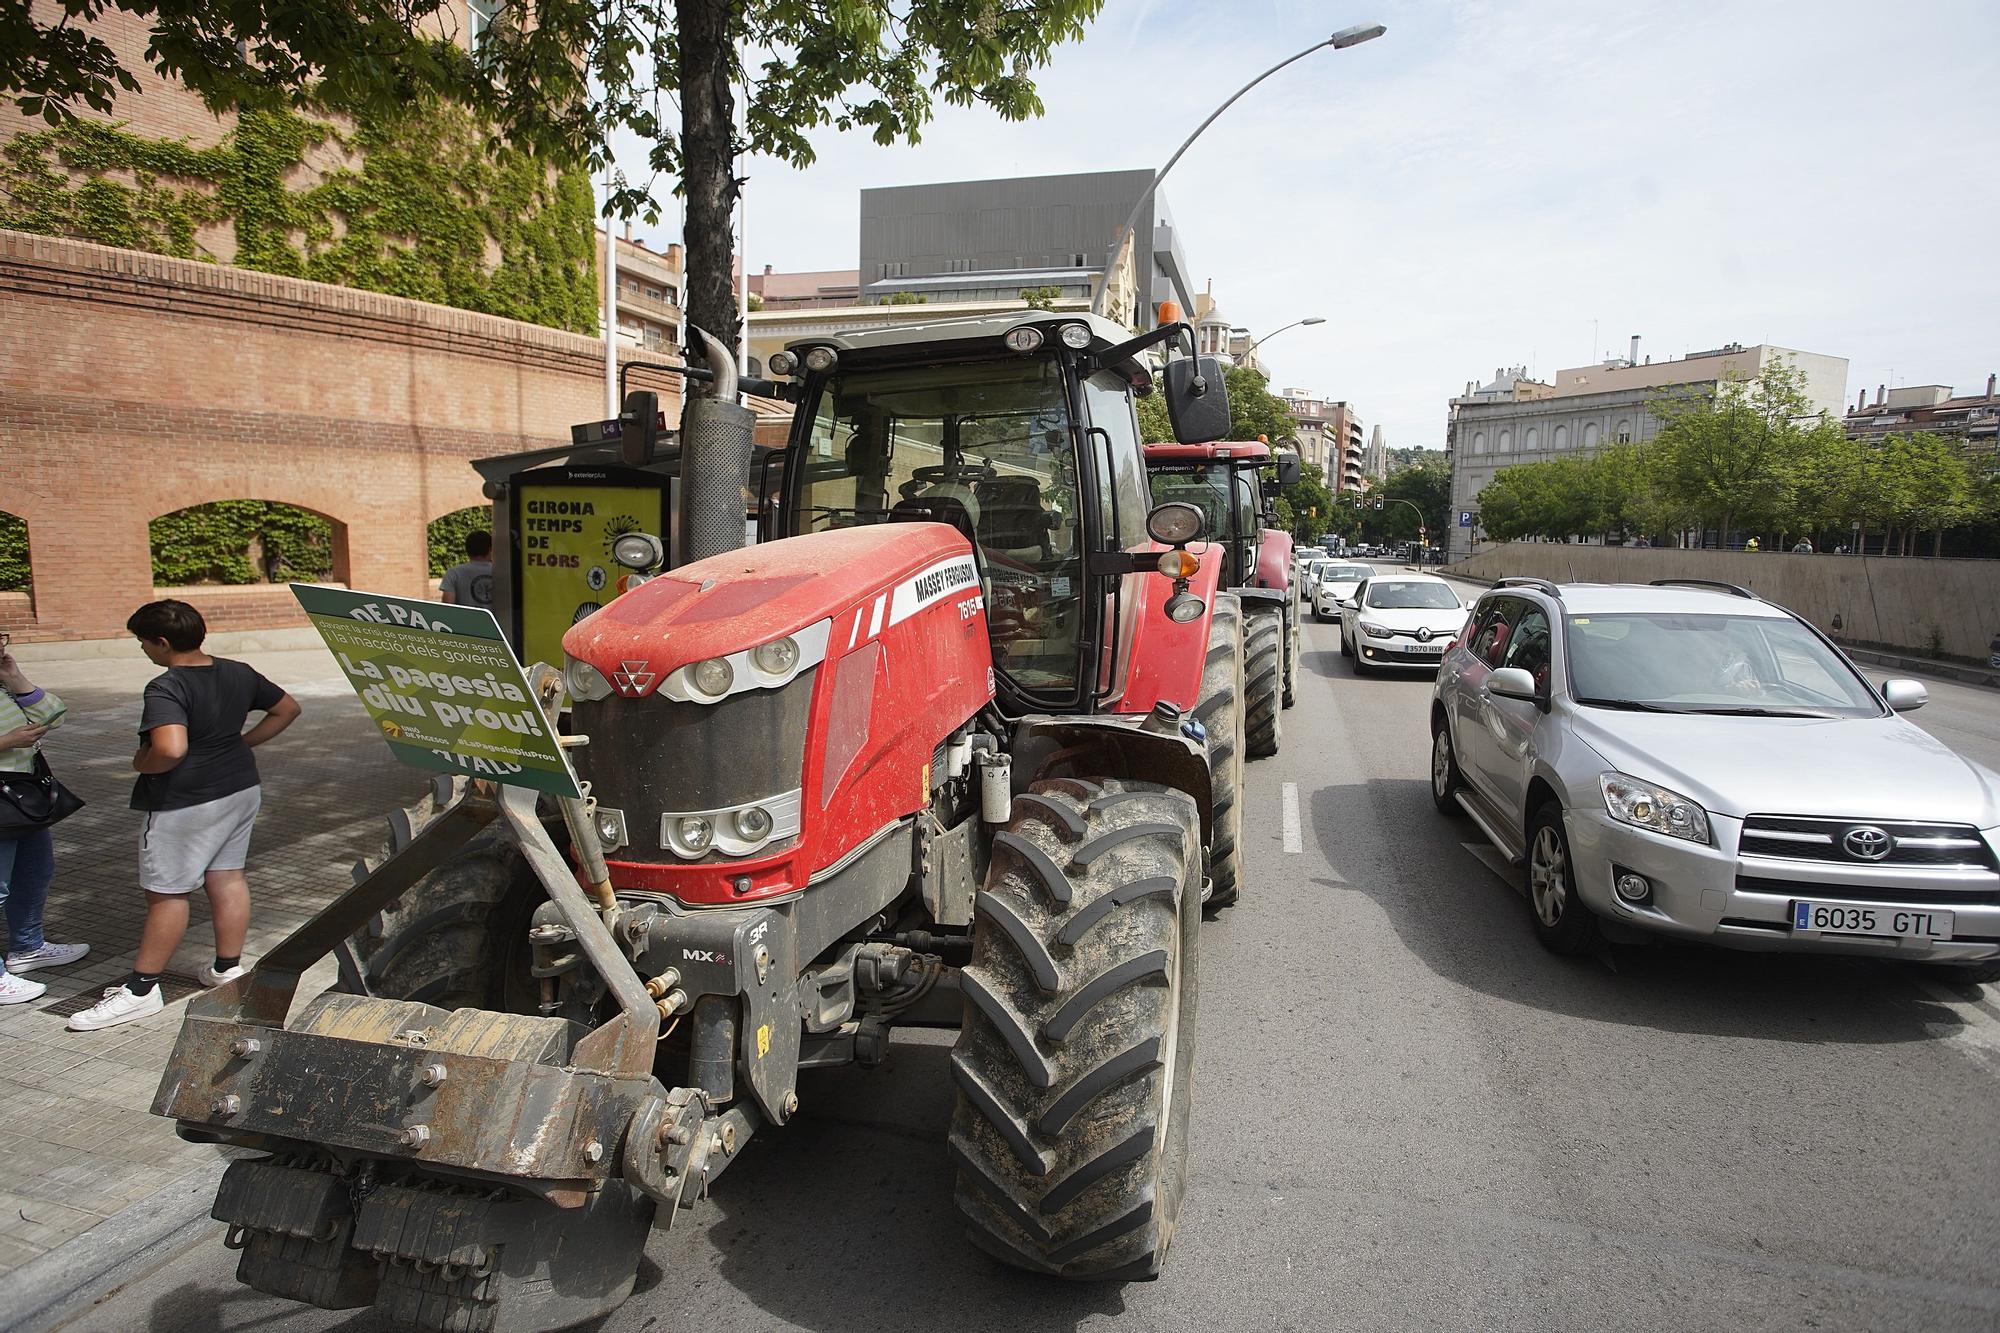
[560, 77]
[1155, 427]
[1254, 410]
[234, 541]
[1427, 485]
[1041, 298]
[903, 298]
[1305, 507]
[446, 535]
[15, 575]
[419, 215]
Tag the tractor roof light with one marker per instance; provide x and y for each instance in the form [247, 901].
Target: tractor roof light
[820, 360]
[1075, 336]
[1023, 339]
[781, 363]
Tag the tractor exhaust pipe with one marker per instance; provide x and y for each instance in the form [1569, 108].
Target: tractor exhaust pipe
[716, 434]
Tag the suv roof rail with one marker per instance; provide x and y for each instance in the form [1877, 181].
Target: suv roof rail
[1521, 581]
[1719, 586]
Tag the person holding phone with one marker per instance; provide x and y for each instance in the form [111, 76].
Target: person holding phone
[27, 860]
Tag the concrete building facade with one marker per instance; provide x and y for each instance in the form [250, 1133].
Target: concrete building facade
[1972, 418]
[987, 240]
[652, 291]
[1512, 419]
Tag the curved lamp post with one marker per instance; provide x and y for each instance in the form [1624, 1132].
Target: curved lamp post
[1259, 342]
[1340, 41]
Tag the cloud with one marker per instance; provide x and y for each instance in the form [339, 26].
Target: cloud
[1480, 185]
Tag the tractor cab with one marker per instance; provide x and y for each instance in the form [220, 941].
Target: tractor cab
[1223, 481]
[1018, 430]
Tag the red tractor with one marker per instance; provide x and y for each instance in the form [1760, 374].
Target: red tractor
[931, 755]
[1226, 481]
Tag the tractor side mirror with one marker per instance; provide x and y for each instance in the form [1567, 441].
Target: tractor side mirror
[1197, 399]
[639, 428]
[1288, 469]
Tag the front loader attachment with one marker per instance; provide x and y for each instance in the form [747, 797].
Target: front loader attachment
[461, 1169]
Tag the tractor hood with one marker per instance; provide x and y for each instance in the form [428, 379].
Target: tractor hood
[731, 602]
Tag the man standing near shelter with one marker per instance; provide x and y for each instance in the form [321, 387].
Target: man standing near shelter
[199, 787]
[470, 582]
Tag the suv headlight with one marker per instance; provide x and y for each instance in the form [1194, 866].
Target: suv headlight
[1656, 809]
[1376, 631]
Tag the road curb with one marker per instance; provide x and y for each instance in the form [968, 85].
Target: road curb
[63, 1284]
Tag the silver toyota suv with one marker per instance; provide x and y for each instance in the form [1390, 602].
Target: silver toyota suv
[1690, 760]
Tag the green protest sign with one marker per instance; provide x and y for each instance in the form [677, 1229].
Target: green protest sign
[442, 684]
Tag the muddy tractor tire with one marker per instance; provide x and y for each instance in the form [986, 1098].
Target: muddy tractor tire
[458, 938]
[1074, 1064]
[1220, 712]
[1291, 658]
[1263, 683]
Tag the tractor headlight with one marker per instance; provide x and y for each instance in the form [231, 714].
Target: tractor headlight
[585, 683]
[714, 676]
[819, 360]
[1023, 340]
[776, 657]
[695, 833]
[1075, 335]
[638, 551]
[753, 823]
[781, 363]
[1183, 607]
[1655, 809]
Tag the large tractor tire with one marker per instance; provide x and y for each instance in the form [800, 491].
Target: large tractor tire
[1263, 683]
[1074, 1065]
[458, 937]
[1220, 712]
[1291, 657]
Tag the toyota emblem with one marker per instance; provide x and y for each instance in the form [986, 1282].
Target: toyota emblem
[1868, 843]
[1424, 634]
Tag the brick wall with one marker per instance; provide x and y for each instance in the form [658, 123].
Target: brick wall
[132, 385]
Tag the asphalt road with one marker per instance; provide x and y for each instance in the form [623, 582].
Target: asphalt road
[1408, 1116]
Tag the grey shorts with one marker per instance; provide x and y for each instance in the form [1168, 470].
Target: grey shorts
[178, 847]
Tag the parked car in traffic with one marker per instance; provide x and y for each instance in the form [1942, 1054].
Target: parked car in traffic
[1399, 621]
[1336, 583]
[1693, 761]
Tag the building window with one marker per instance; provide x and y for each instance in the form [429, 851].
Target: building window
[1506, 445]
[1560, 438]
[1624, 432]
[482, 14]
[1590, 434]
[1531, 440]
[1479, 442]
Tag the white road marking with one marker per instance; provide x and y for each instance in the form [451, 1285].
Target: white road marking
[1294, 842]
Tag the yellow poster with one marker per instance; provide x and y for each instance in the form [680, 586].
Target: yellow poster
[563, 535]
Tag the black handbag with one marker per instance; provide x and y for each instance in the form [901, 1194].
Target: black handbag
[31, 802]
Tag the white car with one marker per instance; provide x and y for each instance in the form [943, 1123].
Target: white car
[1400, 620]
[1336, 583]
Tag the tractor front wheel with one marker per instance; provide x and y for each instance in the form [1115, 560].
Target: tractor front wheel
[1220, 712]
[1074, 1065]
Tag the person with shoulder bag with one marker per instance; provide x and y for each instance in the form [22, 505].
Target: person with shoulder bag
[31, 803]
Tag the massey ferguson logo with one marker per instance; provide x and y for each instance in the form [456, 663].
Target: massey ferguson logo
[631, 678]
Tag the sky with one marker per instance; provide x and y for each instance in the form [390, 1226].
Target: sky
[1501, 182]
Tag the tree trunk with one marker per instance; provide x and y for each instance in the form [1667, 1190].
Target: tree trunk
[708, 173]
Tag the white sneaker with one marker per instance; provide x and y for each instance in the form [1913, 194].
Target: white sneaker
[14, 990]
[49, 955]
[118, 1006]
[212, 978]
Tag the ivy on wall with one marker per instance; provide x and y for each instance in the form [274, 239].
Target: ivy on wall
[447, 535]
[427, 209]
[240, 541]
[14, 573]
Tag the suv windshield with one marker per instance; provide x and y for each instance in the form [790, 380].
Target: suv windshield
[1711, 664]
[988, 447]
[1412, 597]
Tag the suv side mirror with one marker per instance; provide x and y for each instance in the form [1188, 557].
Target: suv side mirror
[1512, 683]
[1288, 468]
[1197, 399]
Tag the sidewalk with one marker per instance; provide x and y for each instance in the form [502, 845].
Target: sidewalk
[76, 1133]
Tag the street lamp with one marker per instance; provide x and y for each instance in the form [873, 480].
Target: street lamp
[1258, 342]
[1340, 41]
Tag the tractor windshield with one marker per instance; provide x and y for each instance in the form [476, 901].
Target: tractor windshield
[987, 447]
[1206, 486]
